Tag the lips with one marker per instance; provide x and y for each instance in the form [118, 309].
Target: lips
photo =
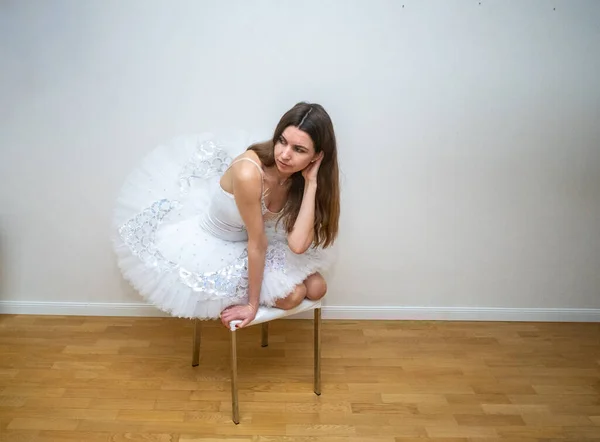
[283, 164]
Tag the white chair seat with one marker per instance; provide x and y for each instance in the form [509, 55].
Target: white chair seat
[266, 314]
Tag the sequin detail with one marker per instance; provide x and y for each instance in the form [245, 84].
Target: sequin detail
[208, 160]
[275, 257]
[139, 235]
[140, 231]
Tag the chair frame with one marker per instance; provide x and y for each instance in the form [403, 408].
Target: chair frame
[197, 339]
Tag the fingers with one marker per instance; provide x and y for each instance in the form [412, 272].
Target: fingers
[233, 313]
[242, 314]
[225, 321]
[226, 317]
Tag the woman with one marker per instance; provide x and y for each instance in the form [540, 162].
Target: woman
[201, 236]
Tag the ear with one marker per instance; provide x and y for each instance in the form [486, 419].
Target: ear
[318, 156]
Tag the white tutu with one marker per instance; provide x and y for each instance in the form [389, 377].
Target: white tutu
[175, 263]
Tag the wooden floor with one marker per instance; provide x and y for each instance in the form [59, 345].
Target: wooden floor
[130, 379]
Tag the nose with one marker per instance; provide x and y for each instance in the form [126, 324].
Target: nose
[286, 153]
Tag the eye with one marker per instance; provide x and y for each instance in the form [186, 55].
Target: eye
[282, 140]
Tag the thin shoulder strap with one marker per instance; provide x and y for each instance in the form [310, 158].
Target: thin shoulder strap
[262, 173]
[252, 161]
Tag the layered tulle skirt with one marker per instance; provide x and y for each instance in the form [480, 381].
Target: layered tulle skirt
[173, 262]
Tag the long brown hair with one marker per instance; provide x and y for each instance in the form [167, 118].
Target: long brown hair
[314, 120]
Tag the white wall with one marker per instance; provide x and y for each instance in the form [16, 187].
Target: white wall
[468, 136]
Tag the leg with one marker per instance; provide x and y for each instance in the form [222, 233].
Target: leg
[264, 334]
[293, 299]
[316, 286]
[196, 343]
[234, 392]
[317, 344]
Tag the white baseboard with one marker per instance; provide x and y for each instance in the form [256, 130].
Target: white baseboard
[328, 312]
[463, 313]
[79, 308]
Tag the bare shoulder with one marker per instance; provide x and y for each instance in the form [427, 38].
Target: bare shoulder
[244, 178]
[247, 172]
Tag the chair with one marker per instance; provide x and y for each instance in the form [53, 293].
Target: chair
[263, 316]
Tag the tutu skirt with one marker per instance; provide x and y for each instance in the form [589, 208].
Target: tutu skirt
[170, 259]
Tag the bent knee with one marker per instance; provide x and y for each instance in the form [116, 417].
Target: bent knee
[293, 299]
[316, 287]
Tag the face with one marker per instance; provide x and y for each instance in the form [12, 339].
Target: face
[294, 150]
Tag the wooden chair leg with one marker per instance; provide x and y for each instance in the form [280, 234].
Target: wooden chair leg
[234, 392]
[317, 348]
[196, 343]
[264, 334]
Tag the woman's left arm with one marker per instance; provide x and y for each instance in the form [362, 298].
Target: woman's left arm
[303, 232]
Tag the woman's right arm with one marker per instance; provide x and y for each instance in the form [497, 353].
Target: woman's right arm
[247, 190]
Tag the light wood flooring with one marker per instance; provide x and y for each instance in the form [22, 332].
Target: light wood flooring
[94, 379]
